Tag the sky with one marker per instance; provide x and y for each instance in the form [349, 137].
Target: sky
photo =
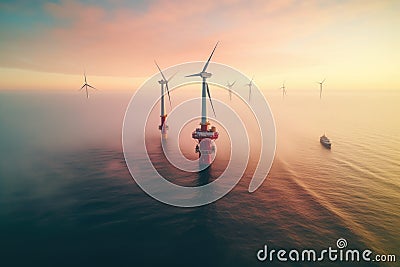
[47, 45]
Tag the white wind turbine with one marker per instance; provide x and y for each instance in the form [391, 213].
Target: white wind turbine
[205, 90]
[250, 84]
[283, 88]
[320, 88]
[86, 85]
[163, 82]
[230, 88]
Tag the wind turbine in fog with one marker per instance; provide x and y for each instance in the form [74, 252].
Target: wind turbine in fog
[250, 84]
[283, 90]
[230, 88]
[320, 88]
[164, 81]
[86, 85]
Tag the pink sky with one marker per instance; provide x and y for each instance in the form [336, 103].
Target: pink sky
[351, 43]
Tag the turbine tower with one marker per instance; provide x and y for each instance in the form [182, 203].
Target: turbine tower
[163, 127]
[203, 135]
[320, 88]
[250, 84]
[86, 85]
[283, 90]
[230, 88]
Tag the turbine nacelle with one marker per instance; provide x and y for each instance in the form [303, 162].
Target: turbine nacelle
[205, 74]
[202, 74]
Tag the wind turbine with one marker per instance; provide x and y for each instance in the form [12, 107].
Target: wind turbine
[86, 85]
[163, 115]
[205, 89]
[230, 88]
[203, 135]
[320, 88]
[283, 90]
[250, 84]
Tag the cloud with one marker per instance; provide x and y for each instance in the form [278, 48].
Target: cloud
[118, 39]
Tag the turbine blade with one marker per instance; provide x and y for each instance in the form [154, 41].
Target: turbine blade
[169, 97]
[209, 96]
[172, 76]
[323, 80]
[231, 85]
[92, 87]
[249, 93]
[208, 61]
[193, 75]
[82, 87]
[160, 71]
[166, 82]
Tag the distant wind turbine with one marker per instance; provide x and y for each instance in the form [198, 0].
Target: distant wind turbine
[230, 88]
[86, 85]
[283, 90]
[250, 84]
[320, 88]
[162, 82]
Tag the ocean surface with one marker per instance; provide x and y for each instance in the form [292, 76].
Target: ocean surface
[67, 197]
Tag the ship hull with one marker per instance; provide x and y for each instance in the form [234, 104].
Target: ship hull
[326, 145]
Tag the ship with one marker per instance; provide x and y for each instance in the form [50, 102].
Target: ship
[324, 140]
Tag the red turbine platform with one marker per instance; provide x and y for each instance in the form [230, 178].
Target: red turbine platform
[205, 147]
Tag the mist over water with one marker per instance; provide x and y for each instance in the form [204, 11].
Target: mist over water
[67, 198]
